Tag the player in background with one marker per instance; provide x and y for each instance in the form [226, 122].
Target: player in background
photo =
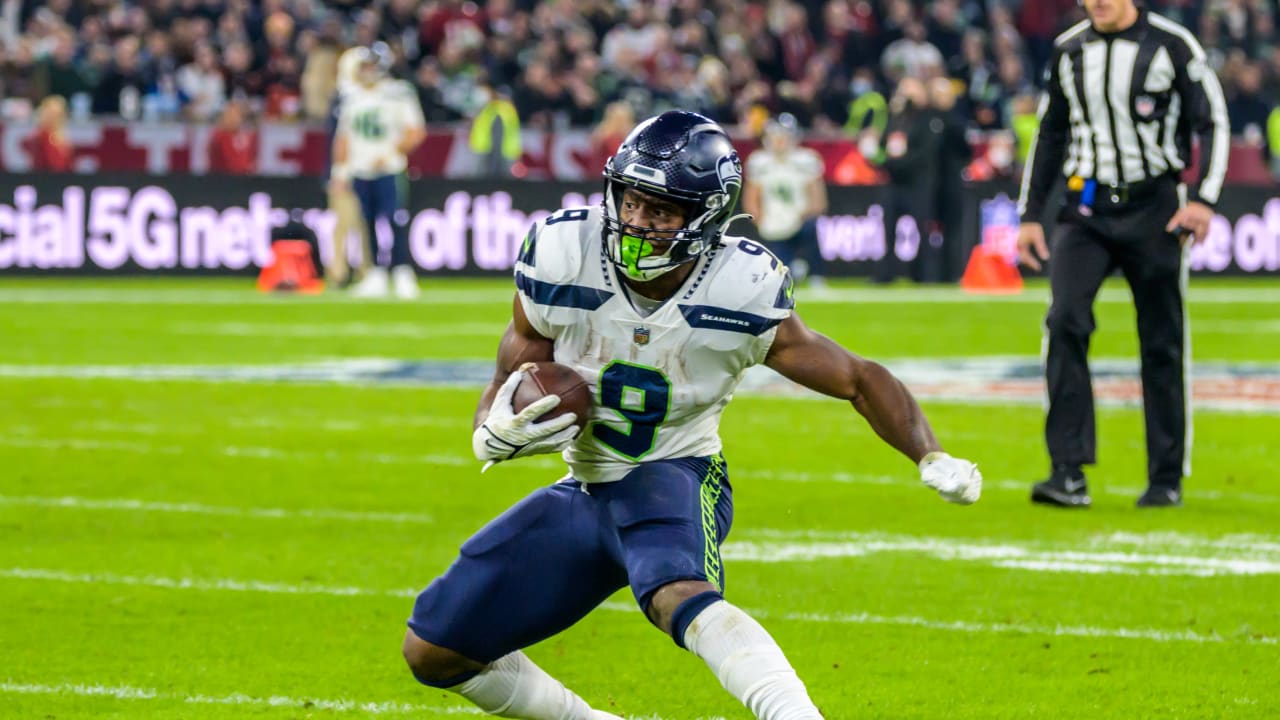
[785, 193]
[662, 313]
[379, 124]
[342, 201]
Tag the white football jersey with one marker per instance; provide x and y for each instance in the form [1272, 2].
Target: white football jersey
[784, 189]
[660, 380]
[375, 120]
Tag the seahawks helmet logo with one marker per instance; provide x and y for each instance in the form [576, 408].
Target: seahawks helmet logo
[729, 170]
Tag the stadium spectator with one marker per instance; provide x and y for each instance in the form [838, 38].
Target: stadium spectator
[911, 156]
[233, 148]
[619, 119]
[495, 133]
[120, 90]
[995, 160]
[48, 146]
[163, 100]
[18, 86]
[913, 56]
[243, 80]
[58, 73]
[1247, 108]
[1273, 142]
[319, 79]
[595, 52]
[202, 85]
[954, 154]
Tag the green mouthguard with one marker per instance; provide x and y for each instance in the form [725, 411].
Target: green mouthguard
[634, 249]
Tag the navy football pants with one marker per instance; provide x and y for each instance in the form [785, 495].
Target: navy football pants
[385, 197]
[548, 561]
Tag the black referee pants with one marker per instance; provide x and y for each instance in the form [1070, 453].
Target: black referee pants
[1083, 251]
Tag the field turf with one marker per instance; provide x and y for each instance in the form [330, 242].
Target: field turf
[193, 527]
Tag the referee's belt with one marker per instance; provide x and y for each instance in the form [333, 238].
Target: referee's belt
[1090, 193]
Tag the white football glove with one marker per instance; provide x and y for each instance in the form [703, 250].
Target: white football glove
[956, 480]
[506, 434]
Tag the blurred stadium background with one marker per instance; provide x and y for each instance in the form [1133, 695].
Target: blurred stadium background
[217, 502]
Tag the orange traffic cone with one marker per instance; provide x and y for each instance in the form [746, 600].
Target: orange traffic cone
[989, 272]
[290, 269]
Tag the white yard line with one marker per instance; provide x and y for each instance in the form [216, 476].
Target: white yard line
[1210, 556]
[125, 692]
[906, 480]
[498, 295]
[1007, 556]
[327, 330]
[260, 452]
[40, 574]
[136, 505]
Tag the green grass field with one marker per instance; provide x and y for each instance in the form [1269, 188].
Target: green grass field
[179, 542]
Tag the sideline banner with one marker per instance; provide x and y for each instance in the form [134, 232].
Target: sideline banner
[101, 224]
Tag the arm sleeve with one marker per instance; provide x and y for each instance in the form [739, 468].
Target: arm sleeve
[1206, 109]
[1044, 157]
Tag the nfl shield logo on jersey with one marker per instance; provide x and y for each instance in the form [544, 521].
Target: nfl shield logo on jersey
[641, 336]
[1145, 105]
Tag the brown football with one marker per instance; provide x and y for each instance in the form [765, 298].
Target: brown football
[552, 378]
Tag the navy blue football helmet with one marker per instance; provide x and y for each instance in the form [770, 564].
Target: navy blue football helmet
[681, 157]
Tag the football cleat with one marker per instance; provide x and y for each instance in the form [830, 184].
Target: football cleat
[1161, 496]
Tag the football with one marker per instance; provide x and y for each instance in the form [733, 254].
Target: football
[552, 378]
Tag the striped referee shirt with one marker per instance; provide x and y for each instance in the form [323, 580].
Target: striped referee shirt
[1121, 108]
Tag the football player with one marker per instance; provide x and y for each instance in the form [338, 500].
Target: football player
[379, 124]
[661, 312]
[785, 193]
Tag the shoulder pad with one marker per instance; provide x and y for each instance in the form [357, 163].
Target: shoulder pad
[555, 247]
[751, 279]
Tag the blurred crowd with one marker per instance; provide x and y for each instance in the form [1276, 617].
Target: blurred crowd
[834, 64]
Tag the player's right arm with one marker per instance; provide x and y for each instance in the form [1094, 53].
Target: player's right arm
[818, 363]
[499, 432]
[520, 344]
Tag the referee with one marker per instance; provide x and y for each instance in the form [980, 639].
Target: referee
[1127, 89]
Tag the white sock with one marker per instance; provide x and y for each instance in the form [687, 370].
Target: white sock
[513, 687]
[749, 664]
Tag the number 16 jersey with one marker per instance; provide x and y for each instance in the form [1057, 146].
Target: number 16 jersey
[660, 381]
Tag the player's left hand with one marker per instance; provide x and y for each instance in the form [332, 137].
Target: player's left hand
[956, 480]
[1195, 217]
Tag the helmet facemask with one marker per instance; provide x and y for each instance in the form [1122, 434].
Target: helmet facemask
[645, 253]
[680, 158]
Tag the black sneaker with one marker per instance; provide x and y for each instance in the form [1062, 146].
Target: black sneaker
[1161, 496]
[1066, 487]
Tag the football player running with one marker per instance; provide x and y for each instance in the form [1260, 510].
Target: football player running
[661, 312]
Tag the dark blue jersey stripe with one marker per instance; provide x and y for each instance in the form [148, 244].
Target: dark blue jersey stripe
[571, 296]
